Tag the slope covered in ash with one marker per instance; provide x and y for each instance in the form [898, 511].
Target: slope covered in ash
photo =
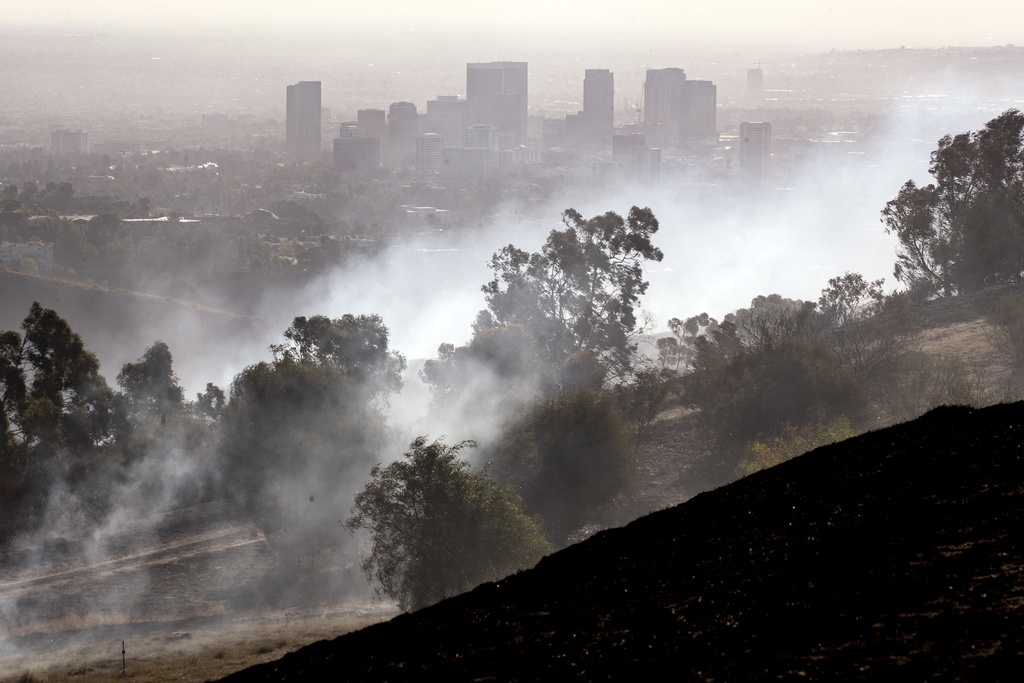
[896, 555]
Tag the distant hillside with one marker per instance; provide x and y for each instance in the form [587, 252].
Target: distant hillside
[118, 325]
[895, 555]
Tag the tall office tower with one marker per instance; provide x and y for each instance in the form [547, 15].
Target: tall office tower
[428, 153]
[64, 142]
[446, 116]
[755, 151]
[639, 162]
[496, 94]
[403, 127]
[554, 132]
[302, 120]
[483, 136]
[664, 107]
[355, 153]
[598, 116]
[374, 124]
[575, 132]
[700, 122]
[755, 84]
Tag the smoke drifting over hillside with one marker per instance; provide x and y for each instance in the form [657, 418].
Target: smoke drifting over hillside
[818, 219]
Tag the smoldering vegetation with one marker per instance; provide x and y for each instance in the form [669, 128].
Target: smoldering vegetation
[224, 419]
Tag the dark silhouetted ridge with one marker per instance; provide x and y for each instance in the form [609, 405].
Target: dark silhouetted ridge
[896, 555]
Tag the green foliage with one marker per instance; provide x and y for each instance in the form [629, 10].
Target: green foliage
[865, 328]
[52, 393]
[791, 442]
[55, 412]
[966, 230]
[567, 455]
[920, 382]
[355, 345]
[298, 429]
[465, 377]
[296, 219]
[641, 400]
[210, 403]
[753, 393]
[578, 293]
[150, 386]
[437, 529]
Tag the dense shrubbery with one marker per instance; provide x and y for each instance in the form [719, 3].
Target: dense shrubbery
[567, 455]
[437, 529]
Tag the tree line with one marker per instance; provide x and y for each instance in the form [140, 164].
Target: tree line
[553, 393]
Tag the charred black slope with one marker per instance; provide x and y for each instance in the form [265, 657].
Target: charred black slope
[893, 556]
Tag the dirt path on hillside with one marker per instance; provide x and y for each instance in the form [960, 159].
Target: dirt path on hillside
[189, 579]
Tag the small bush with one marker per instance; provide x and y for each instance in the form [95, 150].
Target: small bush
[793, 441]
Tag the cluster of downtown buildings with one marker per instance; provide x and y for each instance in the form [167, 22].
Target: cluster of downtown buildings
[487, 132]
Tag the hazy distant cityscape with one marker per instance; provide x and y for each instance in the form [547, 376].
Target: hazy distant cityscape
[510, 276]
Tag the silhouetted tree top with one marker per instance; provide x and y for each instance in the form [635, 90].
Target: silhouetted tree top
[579, 291]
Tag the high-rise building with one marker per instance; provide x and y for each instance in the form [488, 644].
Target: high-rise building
[446, 116]
[302, 120]
[678, 112]
[755, 84]
[428, 153]
[664, 92]
[554, 132]
[755, 151]
[357, 155]
[496, 94]
[353, 152]
[403, 127]
[374, 123]
[598, 116]
[700, 122]
[483, 136]
[639, 163]
[64, 142]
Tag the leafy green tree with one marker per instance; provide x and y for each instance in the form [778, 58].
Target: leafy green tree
[752, 393]
[53, 396]
[965, 231]
[354, 345]
[210, 403]
[578, 293]
[866, 328]
[437, 529]
[150, 385]
[55, 413]
[298, 429]
[568, 455]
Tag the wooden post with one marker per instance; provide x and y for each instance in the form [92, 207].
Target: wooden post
[124, 667]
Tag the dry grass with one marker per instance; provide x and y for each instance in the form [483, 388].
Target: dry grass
[205, 653]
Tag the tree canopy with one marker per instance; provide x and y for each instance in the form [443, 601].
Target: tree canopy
[965, 231]
[297, 430]
[150, 384]
[437, 529]
[579, 291]
[52, 394]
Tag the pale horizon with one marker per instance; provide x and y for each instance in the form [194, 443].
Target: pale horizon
[786, 24]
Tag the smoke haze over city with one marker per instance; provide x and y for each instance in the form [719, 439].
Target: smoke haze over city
[317, 209]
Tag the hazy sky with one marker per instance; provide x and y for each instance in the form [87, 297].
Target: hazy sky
[866, 23]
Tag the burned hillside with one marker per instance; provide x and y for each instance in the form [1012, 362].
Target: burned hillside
[895, 554]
